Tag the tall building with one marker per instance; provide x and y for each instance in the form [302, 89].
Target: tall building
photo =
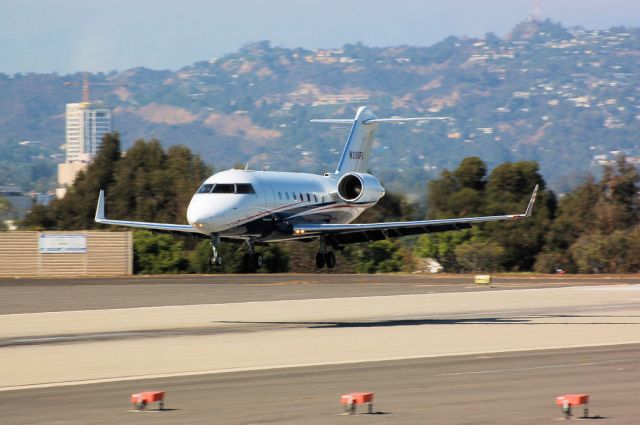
[86, 124]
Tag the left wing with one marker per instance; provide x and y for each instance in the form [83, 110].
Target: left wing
[100, 218]
[352, 233]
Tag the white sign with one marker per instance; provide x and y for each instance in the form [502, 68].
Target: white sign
[62, 244]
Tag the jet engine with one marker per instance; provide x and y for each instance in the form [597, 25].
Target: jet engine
[360, 187]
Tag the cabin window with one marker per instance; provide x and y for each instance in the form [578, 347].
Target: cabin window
[223, 188]
[287, 195]
[323, 199]
[301, 198]
[315, 197]
[280, 195]
[244, 188]
[205, 188]
[293, 196]
[308, 198]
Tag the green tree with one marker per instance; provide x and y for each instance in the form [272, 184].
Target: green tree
[508, 190]
[475, 256]
[459, 192]
[618, 252]
[382, 256]
[156, 253]
[392, 207]
[77, 209]
[471, 173]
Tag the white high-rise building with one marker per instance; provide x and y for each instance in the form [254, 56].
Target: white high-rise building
[86, 124]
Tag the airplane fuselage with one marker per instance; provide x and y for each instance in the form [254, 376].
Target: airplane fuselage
[265, 204]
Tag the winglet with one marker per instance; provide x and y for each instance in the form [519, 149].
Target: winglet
[532, 201]
[100, 207]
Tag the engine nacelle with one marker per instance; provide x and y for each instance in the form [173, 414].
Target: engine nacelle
[360, 187]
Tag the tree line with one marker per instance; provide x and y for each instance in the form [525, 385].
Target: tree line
[592, 229]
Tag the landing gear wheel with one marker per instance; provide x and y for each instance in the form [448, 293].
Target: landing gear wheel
[330, 259]
[258, 260]
[320, 260]
[217, 261]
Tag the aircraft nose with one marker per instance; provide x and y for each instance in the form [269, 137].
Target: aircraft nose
[201, 215]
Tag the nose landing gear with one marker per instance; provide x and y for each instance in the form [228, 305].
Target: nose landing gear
[215, 259]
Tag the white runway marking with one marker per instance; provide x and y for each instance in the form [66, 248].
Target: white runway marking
[519, 369]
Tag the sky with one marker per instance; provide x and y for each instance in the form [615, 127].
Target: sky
[67, 36]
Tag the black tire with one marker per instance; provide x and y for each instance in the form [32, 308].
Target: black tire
[330, 259]
[258, 260]
[219, 261]
[320, 260]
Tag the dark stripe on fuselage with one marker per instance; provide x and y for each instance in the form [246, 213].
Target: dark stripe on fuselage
[277, 224]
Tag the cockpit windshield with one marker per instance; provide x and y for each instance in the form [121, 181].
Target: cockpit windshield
[223, 188]
[240, 188]
[244, 188]
[205, 188]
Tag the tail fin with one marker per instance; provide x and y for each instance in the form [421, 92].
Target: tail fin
[355, 156]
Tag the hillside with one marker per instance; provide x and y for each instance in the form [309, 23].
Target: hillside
[567, 98]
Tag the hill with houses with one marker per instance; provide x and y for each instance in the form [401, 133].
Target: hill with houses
[566, 97]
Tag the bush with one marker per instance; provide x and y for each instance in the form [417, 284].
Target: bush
[475, 256]
[379, 257]
[550, 262]
[153, 254]
[618, 252]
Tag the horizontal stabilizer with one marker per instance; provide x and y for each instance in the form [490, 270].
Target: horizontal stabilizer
[397, 120]
[376, 120]
[334, 121]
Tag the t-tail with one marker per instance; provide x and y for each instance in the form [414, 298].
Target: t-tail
[355, 156]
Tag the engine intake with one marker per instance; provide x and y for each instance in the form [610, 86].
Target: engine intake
[360, 187]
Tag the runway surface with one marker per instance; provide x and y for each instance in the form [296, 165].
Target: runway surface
[280, 349]
[506, 388]
[38, 295]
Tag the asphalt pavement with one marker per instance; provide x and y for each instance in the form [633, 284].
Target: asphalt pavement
[505, 388]
[40, 295]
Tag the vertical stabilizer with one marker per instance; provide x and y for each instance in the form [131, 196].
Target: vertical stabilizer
[356, 152]
[355, 156]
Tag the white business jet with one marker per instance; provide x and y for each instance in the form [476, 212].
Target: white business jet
[267, 206]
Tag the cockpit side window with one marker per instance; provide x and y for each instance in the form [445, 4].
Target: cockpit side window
[223, 188]
[205, 188]
[244, 188]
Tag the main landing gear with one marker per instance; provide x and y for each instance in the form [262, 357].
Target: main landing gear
[324, 257]
[252, 260]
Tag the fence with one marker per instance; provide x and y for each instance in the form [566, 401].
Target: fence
[79, 253]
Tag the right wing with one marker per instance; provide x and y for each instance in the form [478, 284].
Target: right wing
[167, 227]
[354, 233]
